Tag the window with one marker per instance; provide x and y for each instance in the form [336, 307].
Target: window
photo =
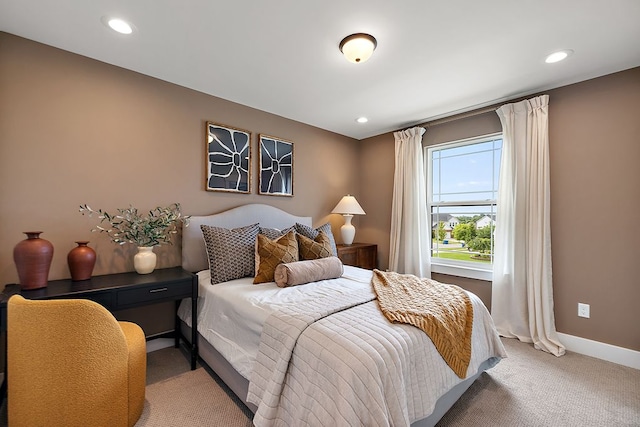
[462, 185]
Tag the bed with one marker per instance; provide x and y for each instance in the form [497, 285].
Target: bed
[391, 391]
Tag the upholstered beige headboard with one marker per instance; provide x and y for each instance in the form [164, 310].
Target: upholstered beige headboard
[194, 254]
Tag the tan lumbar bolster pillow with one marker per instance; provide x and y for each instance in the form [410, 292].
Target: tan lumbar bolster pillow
[301, 272]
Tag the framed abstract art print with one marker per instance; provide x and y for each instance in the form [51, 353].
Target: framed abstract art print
[276, 166]
[228, 159]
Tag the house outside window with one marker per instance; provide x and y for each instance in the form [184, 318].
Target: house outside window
[462, 186]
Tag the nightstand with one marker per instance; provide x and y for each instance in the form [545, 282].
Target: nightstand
[363, 255]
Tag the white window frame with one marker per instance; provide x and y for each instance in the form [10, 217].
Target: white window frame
[455, 267]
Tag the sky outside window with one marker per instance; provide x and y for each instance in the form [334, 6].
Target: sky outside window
[466, 173]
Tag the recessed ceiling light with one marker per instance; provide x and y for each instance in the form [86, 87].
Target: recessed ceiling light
[558, 56]
[119, 25]
[362, 120]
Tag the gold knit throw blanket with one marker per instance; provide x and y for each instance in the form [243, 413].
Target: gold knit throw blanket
[443, 311]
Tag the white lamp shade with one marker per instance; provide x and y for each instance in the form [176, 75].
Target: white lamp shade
[348, 205]
[358, 48]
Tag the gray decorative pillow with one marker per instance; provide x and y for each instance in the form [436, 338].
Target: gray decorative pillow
[230, 252]
[312, 233]
[274, 233]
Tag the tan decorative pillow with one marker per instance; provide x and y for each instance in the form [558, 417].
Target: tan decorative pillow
[312, 233]
[320, 247]
[313, 270]
[273, 234]
[274, 252]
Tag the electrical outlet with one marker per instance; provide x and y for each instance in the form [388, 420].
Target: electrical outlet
[583, 310]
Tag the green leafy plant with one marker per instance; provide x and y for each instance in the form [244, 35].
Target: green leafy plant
[130, 226]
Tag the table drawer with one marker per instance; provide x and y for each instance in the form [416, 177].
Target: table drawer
[146, 294]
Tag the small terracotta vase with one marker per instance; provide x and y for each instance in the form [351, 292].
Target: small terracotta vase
[81, 260]
[33, 259]
[145, 260]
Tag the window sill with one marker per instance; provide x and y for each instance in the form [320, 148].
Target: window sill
[460, 271]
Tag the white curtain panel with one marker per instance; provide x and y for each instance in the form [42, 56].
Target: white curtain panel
[522, 293]
[409, 245]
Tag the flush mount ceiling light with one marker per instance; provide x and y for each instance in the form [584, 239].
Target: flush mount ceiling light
[117, 24]
[362, 120]
[558, 56]
[357, 48]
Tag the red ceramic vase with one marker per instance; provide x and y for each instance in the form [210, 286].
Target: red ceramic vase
[81, 260]
[33, 260]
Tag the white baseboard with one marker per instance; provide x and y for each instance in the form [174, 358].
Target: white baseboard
[159, 343]
[600, 350]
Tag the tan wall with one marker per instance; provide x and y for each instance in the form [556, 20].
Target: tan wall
[594, 134]
[74, 130]
[594, 131]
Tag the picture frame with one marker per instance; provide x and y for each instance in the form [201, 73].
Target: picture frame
[228, 159]
[275, 166]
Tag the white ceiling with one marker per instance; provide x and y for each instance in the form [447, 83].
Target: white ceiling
[434, 57]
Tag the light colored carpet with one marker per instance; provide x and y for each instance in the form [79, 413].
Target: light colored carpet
[191, 399]
[533, 388]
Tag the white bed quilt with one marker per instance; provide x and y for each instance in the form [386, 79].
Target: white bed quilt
[339, 361]
[231, 314]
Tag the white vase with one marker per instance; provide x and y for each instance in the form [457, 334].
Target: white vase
[145, 260]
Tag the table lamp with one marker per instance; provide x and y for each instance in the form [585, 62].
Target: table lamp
[348, 207]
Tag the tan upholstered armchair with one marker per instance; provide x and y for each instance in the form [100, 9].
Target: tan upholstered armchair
[71, 363]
